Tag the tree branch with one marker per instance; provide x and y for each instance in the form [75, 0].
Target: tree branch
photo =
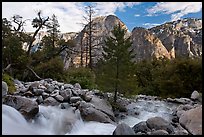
[34, 72]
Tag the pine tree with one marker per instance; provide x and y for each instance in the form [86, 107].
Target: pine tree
[53, 30]
[115, 69]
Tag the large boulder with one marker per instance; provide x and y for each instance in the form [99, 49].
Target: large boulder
[192, 120]
[141, 127]
[50, 101]
[158, 123]
[27, 107]
[89, 113]
[4, 88]
[103, 106]
[123, 129]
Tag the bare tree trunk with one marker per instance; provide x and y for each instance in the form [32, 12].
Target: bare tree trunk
[90, 39]
[86, 53]
[41, 24]
[116, 83]
[34, 72]
[81, 53]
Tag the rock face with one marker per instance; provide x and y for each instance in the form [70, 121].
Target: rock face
[25, 106]
[182, 38]
[192, 120]
[102, 27]
[123, 129]
[146, 45]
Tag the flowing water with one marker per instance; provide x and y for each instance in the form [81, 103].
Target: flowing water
[53, 120]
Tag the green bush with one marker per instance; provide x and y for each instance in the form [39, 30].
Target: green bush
[84, 76]
[51, 69]
[169, 78]
[9, 80]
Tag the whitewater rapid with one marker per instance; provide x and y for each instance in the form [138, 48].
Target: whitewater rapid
[55, 121]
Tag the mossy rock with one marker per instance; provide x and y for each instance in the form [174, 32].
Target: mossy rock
[9, 80]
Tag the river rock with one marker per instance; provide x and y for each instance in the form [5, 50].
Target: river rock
[68, 86]
[179, 130]
[75, 99]
[34, 85]
[37, 91]
[39, 100]
[4, 88]
[158, 123]
[159, 132]
[59, 98]
[180, 100]
[182, 108]
[54, 93]
[195, 95]
[141, 127]
[123, 129]
[75, 92]
[50, 101]
[87, 98]
[18, 84]
[50, 89]
[77, 85]
[27, 107]
[192, 120]
[45, 95]
[28, 94]
[66, 94]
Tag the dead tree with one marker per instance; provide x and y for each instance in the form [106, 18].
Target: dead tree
[38, 23]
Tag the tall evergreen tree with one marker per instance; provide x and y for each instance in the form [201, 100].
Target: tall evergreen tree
[115, 69]
[53, 30]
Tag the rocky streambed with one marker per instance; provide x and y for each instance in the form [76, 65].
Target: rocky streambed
[52, 107]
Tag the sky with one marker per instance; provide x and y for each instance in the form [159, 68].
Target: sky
[133, 14]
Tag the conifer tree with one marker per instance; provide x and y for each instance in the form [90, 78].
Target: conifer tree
[115, 69]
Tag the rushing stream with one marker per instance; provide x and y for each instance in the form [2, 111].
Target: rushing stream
[52, 120]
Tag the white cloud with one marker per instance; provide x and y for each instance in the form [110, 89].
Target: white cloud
[150, 25]
[176, 9]
[69, 14]
[137, 15]
[107, 8]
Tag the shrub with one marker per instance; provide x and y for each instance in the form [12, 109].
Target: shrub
[51, 69]
[9, 80]
[84, 76]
